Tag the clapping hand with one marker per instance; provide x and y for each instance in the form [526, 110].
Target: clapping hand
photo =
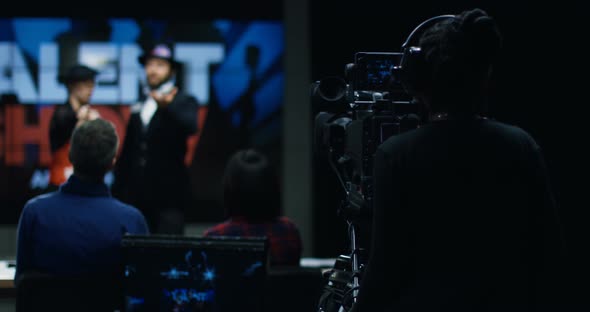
[85, 113]
[164, 100]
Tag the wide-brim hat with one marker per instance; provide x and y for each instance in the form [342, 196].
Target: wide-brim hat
[162, 51]
[76, 73]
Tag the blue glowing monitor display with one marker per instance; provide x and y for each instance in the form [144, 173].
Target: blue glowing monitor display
[168, 273]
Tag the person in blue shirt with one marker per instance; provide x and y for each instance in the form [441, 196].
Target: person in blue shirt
[77, 229]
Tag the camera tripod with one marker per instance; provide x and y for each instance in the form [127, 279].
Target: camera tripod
[343, 284]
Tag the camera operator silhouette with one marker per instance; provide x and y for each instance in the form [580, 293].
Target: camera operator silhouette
[464, 217]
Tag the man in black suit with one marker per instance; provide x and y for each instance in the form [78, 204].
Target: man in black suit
[151, 172]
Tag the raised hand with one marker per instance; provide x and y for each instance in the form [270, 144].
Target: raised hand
[85, 113]
[164, 100]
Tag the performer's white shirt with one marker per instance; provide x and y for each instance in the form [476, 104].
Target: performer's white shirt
[148, 109]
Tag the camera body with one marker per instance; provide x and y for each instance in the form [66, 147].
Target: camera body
[354, 115]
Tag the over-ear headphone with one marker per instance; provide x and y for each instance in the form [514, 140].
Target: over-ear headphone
[413, 69]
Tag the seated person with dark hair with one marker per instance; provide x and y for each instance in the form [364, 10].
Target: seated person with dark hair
[77, 230]
[252, 204]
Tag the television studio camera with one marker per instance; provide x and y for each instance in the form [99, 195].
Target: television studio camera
[354, 116]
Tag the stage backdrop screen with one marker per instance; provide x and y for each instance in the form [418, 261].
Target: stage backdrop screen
[234, 68]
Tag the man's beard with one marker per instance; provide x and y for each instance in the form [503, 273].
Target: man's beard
[159, 84]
